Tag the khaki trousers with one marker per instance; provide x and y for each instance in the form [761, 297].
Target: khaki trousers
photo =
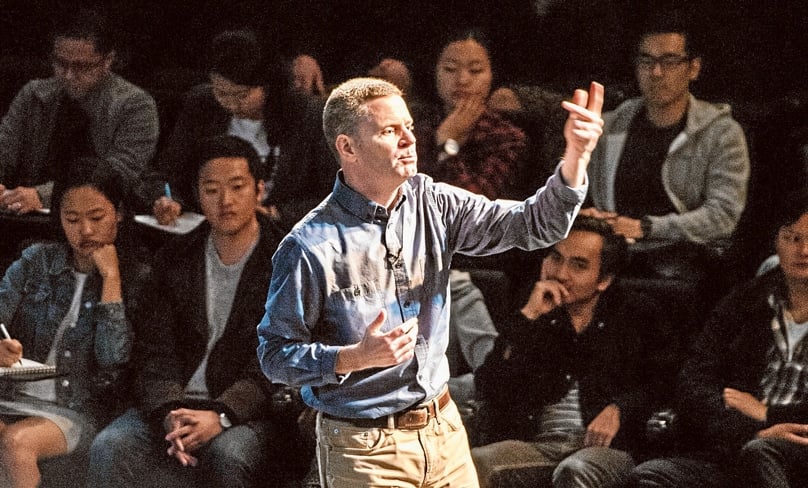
[436, 455]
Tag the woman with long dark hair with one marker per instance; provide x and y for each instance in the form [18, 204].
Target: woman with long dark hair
[67, 304]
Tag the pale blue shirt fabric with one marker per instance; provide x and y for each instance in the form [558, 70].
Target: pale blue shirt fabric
[334, 272]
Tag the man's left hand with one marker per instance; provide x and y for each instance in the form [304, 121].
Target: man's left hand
[582, 131]
[603, 428]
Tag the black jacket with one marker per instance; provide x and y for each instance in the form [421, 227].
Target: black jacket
[731, 352]
[625, 356]
[304, 172]
[171, 339]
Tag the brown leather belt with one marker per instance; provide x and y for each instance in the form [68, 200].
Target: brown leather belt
[413, 418]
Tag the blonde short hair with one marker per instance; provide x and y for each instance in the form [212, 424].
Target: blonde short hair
[344, 107]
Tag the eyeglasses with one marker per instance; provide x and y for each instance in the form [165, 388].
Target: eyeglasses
[232, 96]
[78, 67]
[791, 237]
[667, 62]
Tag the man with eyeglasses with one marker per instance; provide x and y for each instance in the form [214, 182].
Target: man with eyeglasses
[742, 395]
[83, 109]
[670, 173]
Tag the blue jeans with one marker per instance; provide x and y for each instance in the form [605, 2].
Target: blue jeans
[774, 463]
[680, 472]
[559, 460]
[127, 453]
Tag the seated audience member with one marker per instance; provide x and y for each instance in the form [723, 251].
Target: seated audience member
[742, 390]
[396, 72]
[250, 97]
[574, 374]
[464, 144]
[461, 142]
[670, 171]
[83, 110]
[204, 408]
[68, 304]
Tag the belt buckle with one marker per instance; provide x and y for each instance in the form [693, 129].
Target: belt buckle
[413, 419]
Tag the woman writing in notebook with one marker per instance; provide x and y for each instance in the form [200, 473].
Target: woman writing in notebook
[66, 304]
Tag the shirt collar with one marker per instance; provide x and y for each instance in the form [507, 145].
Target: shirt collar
[61, 261]
[360, 206]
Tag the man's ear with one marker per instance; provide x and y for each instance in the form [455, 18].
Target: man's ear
[605, 283]
[109, 59]
[259, 188]
[345, 147]
[695, 68]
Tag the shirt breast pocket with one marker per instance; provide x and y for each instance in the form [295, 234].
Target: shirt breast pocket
[361, 292]
[358, 305]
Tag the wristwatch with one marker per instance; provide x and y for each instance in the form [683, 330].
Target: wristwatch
[224, 421]
[450, 148]
[645, 226]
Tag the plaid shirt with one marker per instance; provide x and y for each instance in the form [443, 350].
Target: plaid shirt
[785, 380]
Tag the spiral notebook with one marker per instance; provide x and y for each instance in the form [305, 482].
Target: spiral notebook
[27, 370]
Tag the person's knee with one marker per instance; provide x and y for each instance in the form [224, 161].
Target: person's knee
[486, 457]
[755, 449]
[650, 474]
[573, 471]
[234, 454]
[117, 437]
[594, 466]
[11, 442]
[109, 440]
[492, 460]
[123, 442]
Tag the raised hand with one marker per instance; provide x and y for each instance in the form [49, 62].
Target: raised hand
[582, 130]
[546, 295]
[105, 259]
[307, 77]
[458, 124]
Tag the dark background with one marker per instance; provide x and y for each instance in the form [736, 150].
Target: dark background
[753, 50]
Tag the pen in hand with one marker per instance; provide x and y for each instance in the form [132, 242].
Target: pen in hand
[6, 335]
[166, 209]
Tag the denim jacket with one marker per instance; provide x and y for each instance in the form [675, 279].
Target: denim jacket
[35, 295]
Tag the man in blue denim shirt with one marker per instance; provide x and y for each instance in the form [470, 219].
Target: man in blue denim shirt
[358, 305]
